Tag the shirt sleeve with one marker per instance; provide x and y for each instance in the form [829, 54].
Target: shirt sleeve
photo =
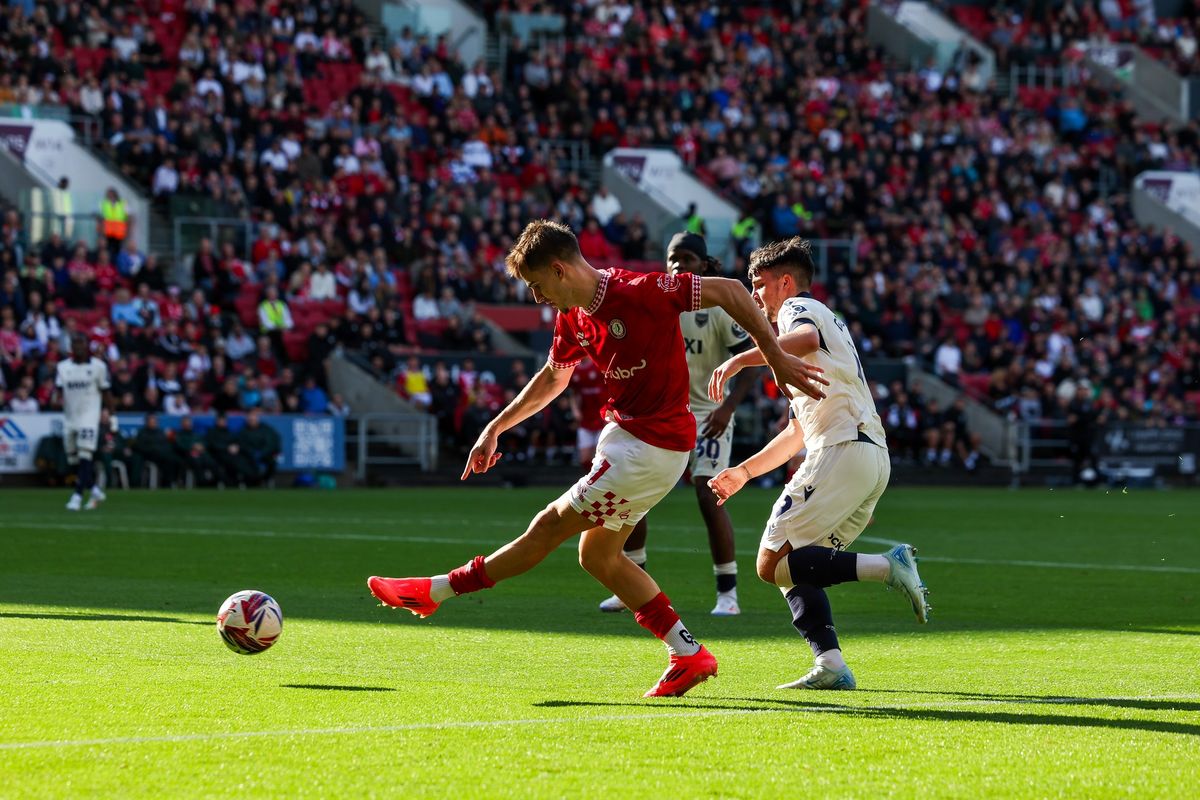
[735, 336]
[793, 314]
[565, 351]
[664, 293]
[58, 376]
[103, 381]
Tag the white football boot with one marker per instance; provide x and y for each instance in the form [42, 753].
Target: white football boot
[612, 605]
[727, 604]
[75, 503]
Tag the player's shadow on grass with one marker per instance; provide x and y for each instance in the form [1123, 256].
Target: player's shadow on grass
[1145, 704]
[699, 705]
[1165, 631]
[101, 618]
[330, 687]
[994, 717]
[773, 705]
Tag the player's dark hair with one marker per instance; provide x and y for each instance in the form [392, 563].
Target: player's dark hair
[712, 266]
[541, 243]
[793, 255]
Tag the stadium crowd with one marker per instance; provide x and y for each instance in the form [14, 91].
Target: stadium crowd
[1029, 32]
[387, 180]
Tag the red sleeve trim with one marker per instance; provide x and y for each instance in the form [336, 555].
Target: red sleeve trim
[697, 282]
[561, 365]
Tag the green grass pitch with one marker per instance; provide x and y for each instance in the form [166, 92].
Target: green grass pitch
[1062, 660]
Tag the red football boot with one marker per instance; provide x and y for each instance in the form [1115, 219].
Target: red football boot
[683, 673]
[410, 593]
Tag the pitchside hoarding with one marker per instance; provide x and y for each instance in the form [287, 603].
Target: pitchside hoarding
[309, 442]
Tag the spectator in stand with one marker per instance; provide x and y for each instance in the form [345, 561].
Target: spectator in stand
[322, 285]
[23, 402]
[274, 318]
[115, 221]
[338, 406]
[604, 206]
[146, 307]
[313, 399]
[415, 384]
[260, 447]
[425, 307]
[238, 344]
[947, 361]
[593, 245]
[130, 260]
[151, 445]
[222, 445]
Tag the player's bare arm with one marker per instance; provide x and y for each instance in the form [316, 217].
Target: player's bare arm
[787, 369]
[804, 341]
[774, 454]
[546, 385]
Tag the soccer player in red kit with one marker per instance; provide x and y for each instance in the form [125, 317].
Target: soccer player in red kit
[587, 385]
[628, 324]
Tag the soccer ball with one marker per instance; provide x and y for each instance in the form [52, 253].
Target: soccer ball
[249, 622]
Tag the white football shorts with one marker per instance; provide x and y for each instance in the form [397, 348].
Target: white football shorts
[831, 498]
[628, 477]
[80, 439]
[710, 456]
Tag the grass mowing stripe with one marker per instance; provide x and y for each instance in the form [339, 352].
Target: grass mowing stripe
[648, 717]
[371, 537]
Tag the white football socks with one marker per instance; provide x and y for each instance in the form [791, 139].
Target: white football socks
[440, 589]
[831, 659]
[872, 568]
[679, 642]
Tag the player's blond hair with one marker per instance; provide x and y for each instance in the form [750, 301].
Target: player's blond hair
[541, 243]
[793, 255]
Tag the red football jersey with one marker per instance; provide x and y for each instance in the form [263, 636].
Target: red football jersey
[631, 332]
[588, 385]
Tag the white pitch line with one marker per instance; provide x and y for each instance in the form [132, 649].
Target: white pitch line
[646, 717]
[384, 538]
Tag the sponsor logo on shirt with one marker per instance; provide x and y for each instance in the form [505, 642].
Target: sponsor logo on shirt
[621, 374]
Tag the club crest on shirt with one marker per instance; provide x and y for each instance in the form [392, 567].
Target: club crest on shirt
[701, 318]
[617, 328]
[668, 282]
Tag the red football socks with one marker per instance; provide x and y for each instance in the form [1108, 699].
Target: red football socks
[659, 618]
[472, 577]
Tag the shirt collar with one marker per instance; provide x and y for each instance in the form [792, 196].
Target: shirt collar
[598, 298]
[805, 294]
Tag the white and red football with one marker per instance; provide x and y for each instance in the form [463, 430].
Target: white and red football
[249, 622]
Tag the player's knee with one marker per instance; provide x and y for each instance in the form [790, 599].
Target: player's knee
[596, 561]
[549, 529]
[765, 565]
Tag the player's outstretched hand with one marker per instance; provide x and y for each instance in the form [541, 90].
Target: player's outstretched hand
[716, 422]
[483, 455]
[790, 370]
[728, 483]
[721, 376]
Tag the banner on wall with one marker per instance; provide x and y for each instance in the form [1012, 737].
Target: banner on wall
[1172, 450]
[309, 443]
[1178, 191]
